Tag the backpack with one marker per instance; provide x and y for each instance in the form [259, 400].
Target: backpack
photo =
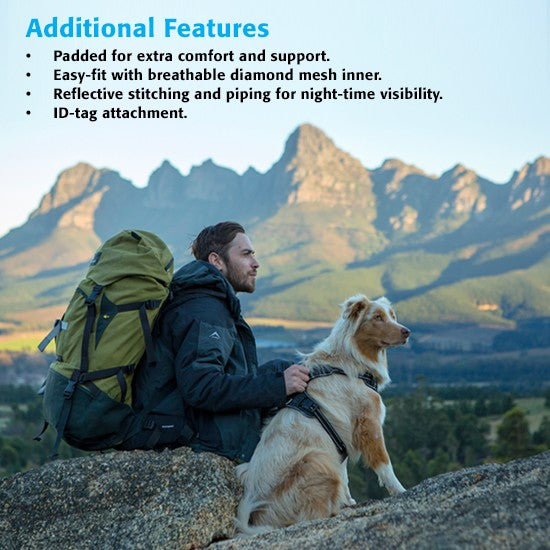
[104, 334]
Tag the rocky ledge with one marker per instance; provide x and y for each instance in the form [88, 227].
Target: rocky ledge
[179, 499]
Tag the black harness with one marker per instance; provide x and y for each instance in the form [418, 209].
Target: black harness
[305, 404]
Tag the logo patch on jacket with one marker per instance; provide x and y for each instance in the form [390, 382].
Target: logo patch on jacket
[215, 335]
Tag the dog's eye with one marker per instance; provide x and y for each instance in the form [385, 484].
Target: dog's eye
[378, 317]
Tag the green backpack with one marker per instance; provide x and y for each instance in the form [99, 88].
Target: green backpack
[102, 337]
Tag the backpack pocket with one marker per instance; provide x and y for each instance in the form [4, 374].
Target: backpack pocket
[94, 422]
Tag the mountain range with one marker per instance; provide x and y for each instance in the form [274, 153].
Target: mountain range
[448, 248]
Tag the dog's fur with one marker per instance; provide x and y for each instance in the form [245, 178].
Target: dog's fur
[296, 472]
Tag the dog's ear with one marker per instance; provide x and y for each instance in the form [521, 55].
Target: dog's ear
[354, 306]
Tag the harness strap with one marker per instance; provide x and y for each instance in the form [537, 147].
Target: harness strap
[319, 371]
[304, 403]
[369, 380]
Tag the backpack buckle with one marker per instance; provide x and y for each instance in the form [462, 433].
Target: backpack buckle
[149, 424]
[75, 379]
[69, 390]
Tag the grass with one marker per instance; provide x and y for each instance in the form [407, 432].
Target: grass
[22, 341]
[285, 323]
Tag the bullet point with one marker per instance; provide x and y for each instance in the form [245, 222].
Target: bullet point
[28, 112]
[28, 93]
[28, 74]
[28, 55]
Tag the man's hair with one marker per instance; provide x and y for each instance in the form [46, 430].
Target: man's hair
[215, 238]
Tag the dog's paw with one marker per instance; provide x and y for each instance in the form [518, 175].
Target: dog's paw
[396, 489]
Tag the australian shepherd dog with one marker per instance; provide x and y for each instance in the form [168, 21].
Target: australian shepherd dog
[297, 472]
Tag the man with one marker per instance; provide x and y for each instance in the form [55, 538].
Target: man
[207, 370]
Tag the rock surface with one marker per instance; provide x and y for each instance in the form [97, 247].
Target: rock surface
[495, 506]
[138, 499]
[179, 499]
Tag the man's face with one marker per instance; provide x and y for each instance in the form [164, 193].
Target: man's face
[240, 266]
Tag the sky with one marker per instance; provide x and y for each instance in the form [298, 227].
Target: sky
[489, 61]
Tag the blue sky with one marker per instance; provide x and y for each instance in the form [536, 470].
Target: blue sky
[489, 60]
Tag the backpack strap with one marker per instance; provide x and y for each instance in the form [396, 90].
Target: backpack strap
[90, 318]
[65, 411]
[142, 308]
[105, 373]
[44, 428]
[58, 326]
[89, 300]
[149, 349]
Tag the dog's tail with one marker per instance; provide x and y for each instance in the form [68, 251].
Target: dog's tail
[246, 508]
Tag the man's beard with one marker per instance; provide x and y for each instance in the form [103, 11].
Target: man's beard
[239, 281]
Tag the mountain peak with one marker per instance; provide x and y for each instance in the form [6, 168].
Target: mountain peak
[209, 168]
[399, 167]
[540, 166]
[164, 172]
[528, 186]
[71, 183]
[307, 140]
[313, 169]
[392, 164]
[77, 182]
[166, 165]
[456, 171]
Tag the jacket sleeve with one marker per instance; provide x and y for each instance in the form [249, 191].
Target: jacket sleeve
[203, 382]
[275, 366]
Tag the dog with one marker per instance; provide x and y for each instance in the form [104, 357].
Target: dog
[297, 472]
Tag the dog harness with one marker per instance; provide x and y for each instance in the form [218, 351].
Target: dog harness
[304, 403]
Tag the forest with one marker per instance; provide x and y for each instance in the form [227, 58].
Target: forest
[432, 431]
[428, 431]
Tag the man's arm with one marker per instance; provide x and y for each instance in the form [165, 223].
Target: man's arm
[296, 376]
[204, 384]
[275, 365]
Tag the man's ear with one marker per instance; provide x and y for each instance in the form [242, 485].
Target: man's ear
[216, 260]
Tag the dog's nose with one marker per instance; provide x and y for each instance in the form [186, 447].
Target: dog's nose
[405, 332]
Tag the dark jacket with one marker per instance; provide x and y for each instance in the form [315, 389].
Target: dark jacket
[207, 372]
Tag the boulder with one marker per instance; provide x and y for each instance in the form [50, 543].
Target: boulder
[179, 499]
[504, 506]
[133, 499]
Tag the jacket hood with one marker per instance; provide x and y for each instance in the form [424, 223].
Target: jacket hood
[203, 277]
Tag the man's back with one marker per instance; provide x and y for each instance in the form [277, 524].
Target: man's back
[207, 369]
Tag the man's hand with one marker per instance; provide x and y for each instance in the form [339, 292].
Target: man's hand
[296, 378]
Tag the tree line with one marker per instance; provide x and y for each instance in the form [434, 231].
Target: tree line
[427, 432]
[427, 435]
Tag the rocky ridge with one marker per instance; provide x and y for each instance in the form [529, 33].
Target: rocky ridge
[312, 182]
[178, 499]
[317, 218]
